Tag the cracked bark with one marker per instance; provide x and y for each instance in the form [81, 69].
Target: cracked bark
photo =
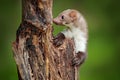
[35, 55]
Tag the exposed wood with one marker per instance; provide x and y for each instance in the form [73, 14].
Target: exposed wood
[35, 55]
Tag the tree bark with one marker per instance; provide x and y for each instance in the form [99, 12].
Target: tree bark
[35, 55]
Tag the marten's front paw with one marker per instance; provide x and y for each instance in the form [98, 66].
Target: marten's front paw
[78, 59]
[58, 40]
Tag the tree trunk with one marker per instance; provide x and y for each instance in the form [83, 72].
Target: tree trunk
[35, 55]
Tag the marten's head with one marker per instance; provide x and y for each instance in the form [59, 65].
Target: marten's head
[68, 18]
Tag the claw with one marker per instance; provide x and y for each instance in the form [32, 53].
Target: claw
[78, 59]
[58, 40]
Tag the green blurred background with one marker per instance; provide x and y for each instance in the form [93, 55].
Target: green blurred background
[103, 17]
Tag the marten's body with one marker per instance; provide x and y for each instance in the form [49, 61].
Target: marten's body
[76, 29]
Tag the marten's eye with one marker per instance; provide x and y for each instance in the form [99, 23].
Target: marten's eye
[62, 17]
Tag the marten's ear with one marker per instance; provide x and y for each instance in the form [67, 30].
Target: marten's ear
[73, 15]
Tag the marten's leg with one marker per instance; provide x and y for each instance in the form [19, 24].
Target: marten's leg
[79, 58]
[58, 40]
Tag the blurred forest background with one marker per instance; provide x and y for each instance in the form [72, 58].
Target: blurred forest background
[103, 17]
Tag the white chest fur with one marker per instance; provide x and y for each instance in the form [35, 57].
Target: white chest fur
[79, 38]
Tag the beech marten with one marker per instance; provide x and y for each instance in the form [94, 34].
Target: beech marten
[76, 30]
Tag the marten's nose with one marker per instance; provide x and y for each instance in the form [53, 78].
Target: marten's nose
[57, 21]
